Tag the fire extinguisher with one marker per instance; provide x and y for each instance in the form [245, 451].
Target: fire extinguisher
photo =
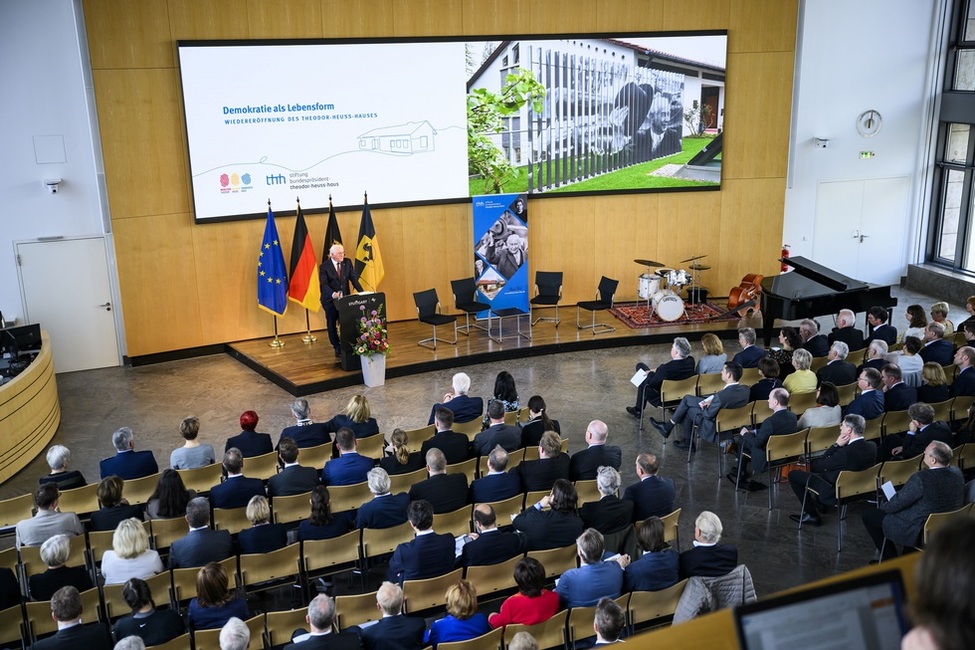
[785, 255]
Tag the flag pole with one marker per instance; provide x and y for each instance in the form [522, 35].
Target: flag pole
[277, 342]
[308, 337]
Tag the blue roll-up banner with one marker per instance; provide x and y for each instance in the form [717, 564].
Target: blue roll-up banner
[501, 250]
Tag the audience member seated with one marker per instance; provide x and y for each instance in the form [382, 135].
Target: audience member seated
[54, 555]
[714, 355]
[917, 321]
[9, 589]
[463, 407]
[248, 440]
[970, 308]
[262, 536]
[445, 492]
[879, 328]
[552, 522]
[58, 457]
[170, 497]
[936, 348]
[922, 431]
[304, 432]
[694, 410]
[837, 370]
[322, 524]
[48, 521]
[505, 392]
[489, 545]
[750, 353]
[870, 402]
[112, 507]
[236, 490]
[653, 496]
[456, 447]
[130, 556]
[680, 366]
[875, 357]
[657, 568]
[827, 411]
[781, 422]
[293, 477]
[400, 459]
[847, 332]
[533, 603]
[385, 510]
[234, 635]
[538, 423]
[66, 610]
[350, 467]
[428, 554]
[609, 622]
[790, 341]
[214, 604]
[964, 382]
[201, 544]
[497, 484]
[708, 557]
[768, 371]
[584, 464]
[610, 514]
[552, 464]
[812, 340]
[127, 463]
[395, 630]
[595, 578]
[934, 385]
[497, 434]
[320, 619]
[356, 417]
[462, 621]
[803, 380]
[939, 314]
[193, 453]
[897, 395]
[153, 626]
[909, 359]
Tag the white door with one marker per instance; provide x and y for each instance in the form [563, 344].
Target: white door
[65, 284]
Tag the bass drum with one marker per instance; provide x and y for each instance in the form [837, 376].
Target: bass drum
[668, 305]
[649, 285]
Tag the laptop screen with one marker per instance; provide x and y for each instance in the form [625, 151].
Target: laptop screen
[862, 613]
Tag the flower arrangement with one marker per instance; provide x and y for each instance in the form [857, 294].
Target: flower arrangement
[373, 338]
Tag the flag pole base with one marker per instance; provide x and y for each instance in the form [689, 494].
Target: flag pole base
[309, 338]
[276, 343]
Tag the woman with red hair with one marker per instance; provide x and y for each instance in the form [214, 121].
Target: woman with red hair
[248, 440]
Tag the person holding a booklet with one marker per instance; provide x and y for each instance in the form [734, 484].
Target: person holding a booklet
[648, 382]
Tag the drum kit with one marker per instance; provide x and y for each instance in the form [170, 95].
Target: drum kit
[661, 287]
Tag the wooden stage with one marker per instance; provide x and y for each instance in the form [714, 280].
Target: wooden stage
[306, 368]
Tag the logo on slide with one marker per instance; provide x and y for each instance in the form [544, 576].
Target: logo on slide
[235, 182]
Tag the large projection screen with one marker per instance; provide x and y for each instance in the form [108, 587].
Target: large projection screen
[418, 122]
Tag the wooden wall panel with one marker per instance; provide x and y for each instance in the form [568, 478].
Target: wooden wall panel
[208, 19]
[750, 229]
[139, 34]
[707, 14]
[284, 18]
[495, 17]
[427, 17]
[778, 21]
[360, 19]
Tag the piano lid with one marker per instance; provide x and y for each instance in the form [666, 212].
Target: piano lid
[822, 275]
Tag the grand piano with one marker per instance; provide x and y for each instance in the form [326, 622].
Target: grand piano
[813, 290]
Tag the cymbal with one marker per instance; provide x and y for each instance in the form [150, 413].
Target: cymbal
[691, 259]
[648, 263]
[699, 267]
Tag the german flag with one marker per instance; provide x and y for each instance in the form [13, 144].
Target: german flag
[368, 261]
[303, 287]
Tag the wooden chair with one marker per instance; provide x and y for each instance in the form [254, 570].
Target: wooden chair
[531, 498]
[184, 580]
[856, 357]
[749, 376]
[760, 412]
[578, 626]
[16, 509]
[468, 468]
[874, 428]
[315, 456]
[727, 422]
[942, 411]
[819, 439]
[511, 418]
[80, 501]
[818, 362]
[182, 642]
[202, 479]
[261, 571]
[115, 606]
[280, 625]
[492, 578]
[588, 491]
[210, 639]
[550, 634]
[291, 508]
[505, 510]
[672, 529]
[847, 392]
[101, 540]
[672, 391]
[898, 471]
[780, 451]
[403, 482]
[37, 614]
[264, 466]
[966, 456]
[428, 593]
[708, 384]
[12, 623]
[167, 531]
[382, 541]
[950, 371]
[799, 403]
[936, 520]
[456, 523]
[514, 459]
[556, 560]
[355, 610]
[328, 556]
[232, 520]
[470, 429]
[418, 436]
[488, 641]
[371, 446]
[524, 414]
[959, 408]
[343, 498]
[9, 559]
[850, 486]
[895, 422]
[138, 490]
[646, 607]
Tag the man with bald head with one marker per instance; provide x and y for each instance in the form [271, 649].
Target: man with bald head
[586, 463]
[964, 383]
[489, 545]
[445, 492]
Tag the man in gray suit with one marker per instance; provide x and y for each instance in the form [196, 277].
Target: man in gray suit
[48, 522]
[702, 412]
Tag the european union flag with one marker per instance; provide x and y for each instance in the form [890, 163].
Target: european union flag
[272, 274]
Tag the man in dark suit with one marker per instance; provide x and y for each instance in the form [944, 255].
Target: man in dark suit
[334, 276]
[385, 510]
[293, 479]
[703, 411]
[870, 402]
[445, 492]
[499, 433]
[497, 484]
[463, 407]
[610, 514]
[456, 447]
[552, 464]
[750, 353]
[753, 442]
[879, 327]
[849, 452]
[66, 609]
[237, 489]
[922, 431]
[509, 258]
[489, 545]
[248, 440]
[708, 557]
[394, 631]
[350, 467]
[875, 357]
[817, 344]
[127, 463]
[838, 371]
[846, 331]
[320, 617]
[898, 396]
[680, 366]
[428, 554]
[936, 349]
[653, 496]
[202, 544]
[964, 383]
[584, 464]
[305, 433]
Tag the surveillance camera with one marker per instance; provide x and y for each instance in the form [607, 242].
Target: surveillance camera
[52, 184]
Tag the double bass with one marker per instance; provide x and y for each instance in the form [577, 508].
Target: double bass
[745, 296]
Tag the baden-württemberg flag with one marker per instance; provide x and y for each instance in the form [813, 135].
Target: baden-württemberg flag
[303, 287]
[368, 261]
[272, 275]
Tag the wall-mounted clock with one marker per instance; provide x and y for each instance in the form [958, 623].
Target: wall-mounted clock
[869, 123]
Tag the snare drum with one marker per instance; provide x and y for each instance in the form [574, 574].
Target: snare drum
[649, 285]
[668, 305]
[678, 278]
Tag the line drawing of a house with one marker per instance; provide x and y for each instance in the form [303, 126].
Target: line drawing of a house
[402, 139]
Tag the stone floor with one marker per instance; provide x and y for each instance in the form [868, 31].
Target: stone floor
[578, 387]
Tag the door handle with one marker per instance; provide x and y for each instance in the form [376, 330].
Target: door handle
[106, 306]
[862, 237]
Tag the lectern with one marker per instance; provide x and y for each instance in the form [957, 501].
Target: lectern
[350, 311]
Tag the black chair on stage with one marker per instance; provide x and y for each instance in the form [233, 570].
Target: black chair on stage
[604, 300]
[428, 311]
[548, 293]
[465, 299]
